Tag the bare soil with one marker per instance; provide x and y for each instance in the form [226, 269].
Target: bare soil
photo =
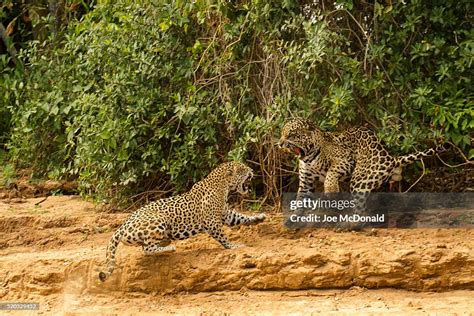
[51, 253]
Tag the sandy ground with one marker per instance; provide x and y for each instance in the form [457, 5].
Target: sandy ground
[51, 253]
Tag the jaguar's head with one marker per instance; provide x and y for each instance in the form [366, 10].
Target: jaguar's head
[239, 176]
[297, 137]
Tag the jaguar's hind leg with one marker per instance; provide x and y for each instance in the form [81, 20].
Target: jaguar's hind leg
[155, 238]
[157, 248]
[154, 246]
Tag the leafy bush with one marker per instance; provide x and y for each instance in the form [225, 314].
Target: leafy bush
[10, 79]
[115, 112]
[146, 93]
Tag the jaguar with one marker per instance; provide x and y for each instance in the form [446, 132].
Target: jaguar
[355, 154]
[202, 209]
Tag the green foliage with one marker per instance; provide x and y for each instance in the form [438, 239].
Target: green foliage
[116, 112]
[8, 79]
[7, 170]
[426, 49]
[23, 21]
[141, 91]
[10, 84]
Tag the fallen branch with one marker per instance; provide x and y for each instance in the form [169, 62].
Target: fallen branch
[467, 161]
[44, 199]
[417, 180]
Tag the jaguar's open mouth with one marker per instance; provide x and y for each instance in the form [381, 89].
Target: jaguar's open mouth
[292, 148]
[296, 150]
[243, 187]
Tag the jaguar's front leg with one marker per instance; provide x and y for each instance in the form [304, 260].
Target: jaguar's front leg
[215, 229]
[307, 178]
[331, 183]
[233, 218]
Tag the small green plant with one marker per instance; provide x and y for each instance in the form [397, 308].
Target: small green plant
[255, 207]
[57, 192]
[7, 175]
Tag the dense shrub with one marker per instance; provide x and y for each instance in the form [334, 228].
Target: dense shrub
[156, 92]
[6, 76]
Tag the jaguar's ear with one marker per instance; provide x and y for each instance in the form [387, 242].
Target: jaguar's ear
[230, 172]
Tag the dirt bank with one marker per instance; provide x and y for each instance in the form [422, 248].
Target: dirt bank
[52, 252]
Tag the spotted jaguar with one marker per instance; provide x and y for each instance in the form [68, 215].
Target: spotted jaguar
[202, 209]
[355, 154]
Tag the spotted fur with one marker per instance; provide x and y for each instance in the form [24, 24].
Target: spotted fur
[355, 153]
[202, 209]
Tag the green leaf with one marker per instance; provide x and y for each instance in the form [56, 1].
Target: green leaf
[54, 110]
[471, 154]
[105, 134]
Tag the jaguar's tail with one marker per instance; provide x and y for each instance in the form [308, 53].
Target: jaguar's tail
[411, 158]
[111, 251]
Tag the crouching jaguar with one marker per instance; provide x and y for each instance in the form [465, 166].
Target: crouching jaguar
[202, 209]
